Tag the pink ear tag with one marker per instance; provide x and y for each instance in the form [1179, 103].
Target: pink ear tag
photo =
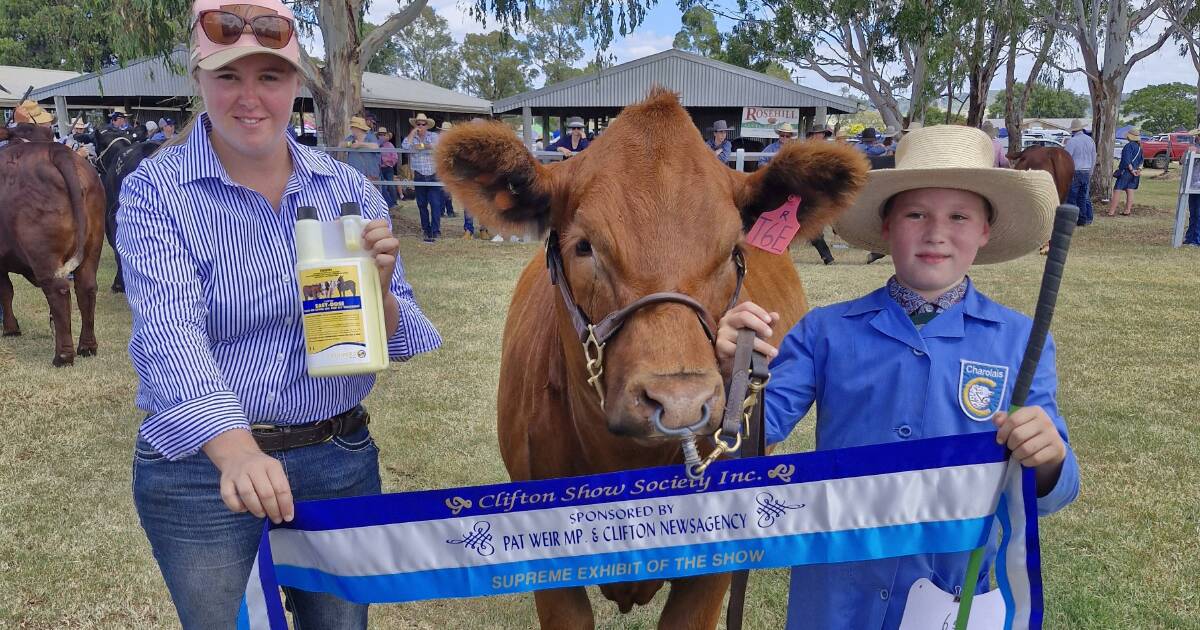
[774, 230]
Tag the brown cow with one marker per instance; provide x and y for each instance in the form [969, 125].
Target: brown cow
[51, 225]
[1053, 160]
[645, 209]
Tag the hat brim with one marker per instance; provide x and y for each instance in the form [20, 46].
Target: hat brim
[226, 56]
[428, 122]
[42, 118]
[1023, 204]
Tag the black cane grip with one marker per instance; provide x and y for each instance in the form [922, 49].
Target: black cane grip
[1060, 241]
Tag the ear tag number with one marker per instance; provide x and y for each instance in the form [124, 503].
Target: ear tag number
[774, 230]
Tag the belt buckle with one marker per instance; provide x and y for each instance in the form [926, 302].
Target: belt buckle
[266, 429]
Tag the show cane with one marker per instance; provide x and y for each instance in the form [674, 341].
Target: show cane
[1060, 241]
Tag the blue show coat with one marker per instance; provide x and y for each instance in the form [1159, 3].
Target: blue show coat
[876, 378]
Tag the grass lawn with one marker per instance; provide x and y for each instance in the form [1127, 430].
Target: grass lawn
[72, 554]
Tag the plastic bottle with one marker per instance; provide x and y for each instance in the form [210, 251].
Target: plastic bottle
[344, 330]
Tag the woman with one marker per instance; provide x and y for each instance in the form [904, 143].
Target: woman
[387, 165]
[574, 140]
[720, 145]
[235, 429]
[1129, 172]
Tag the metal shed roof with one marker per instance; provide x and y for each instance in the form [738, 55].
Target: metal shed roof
[150, 77]
[700, 82]
[14, 80]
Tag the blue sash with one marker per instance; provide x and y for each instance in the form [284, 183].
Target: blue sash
[939, 495]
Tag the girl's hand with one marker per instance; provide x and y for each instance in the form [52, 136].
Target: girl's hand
[745, 315]
[384, 248]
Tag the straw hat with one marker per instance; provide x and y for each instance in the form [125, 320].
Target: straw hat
[30, 111]
[382, 130]
[421, 117]
[1077, 125]
[785, 128]
[446, 126]
[1134, 134]
[358, 122]
[952, 156]
[79, 123]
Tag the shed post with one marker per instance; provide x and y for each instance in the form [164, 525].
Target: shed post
[64, 118]
[527, 126]
[820, 116]
[740, 162]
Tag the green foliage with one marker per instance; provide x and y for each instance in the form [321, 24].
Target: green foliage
[1045, 102]
[425, 51]
[742, 46]
[1162, 108]
[553, 35]
[58, 35]
[495, 65]
[699, 33]
[601, 20]
[386, 60]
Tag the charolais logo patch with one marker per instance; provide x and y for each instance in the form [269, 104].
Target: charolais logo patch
[981, 388]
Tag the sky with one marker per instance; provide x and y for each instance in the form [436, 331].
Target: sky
[658, 30]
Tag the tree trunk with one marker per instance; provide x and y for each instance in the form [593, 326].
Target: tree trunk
[1105, 97]
[1014, 104]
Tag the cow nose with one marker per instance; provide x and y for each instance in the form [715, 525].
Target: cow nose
[684, 400]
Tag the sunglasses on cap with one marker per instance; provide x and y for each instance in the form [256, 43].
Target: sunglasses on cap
[226, 27]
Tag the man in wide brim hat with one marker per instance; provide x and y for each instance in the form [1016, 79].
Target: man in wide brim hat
[818, 129]
[30, 112]
[1134, 135]
[785, 130]
[1077, 125]
[421, 117]
[1021, 203]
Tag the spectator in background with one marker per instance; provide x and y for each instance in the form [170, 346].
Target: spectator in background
[79, 140]
[422, 139]
[1083, 153]
[786, 133]
[387, 165]
[574, 141]
[447, 202]
[818, 132]
[1129, 172]
[118, 121]
[998, 147]
[166, 130]
[719, 144]
[888, 141]
[361, 137]
[870, 143]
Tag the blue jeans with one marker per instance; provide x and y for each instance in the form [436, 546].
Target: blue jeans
[205, 552]
[429, 205]
[388, 174]
[468, 224]
[1080, 196]
[1192, 235]
[448, 206]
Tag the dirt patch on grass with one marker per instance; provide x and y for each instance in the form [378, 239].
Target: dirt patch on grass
[405, 225]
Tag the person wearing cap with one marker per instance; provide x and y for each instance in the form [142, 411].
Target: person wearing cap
[870, 143]
[1129, 172]
[892, 366]
[1083, 153]
[421, 140]
[572, 142]
[166, 130]
[118, 121]
[785, 133]
[719, 144]
[387, 165]
[361, 137]
[79, 140]
[236, 430]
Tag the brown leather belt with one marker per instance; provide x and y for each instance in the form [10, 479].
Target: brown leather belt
[283, 437]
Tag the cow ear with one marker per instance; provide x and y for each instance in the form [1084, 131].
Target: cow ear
[491, 173]
[826, 177]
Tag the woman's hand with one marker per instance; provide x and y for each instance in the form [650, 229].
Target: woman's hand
[384, 247]
[745, 315]
[251, 481]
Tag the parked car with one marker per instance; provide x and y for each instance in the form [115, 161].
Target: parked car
[1163, 149]
[1039, 141]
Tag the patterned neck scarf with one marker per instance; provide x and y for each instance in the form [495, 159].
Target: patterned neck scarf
[915, 305]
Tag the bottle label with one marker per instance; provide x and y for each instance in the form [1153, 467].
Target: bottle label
[334, 326]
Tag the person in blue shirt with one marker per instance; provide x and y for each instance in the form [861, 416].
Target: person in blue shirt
[786, 133]
[870, 143]
[719, 144]
[574, 141]
[1083, 154]
[166, 130]
[903, 362]
[236, 429]
[1129, 172]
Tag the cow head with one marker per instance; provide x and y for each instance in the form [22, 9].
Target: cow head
[645, 209]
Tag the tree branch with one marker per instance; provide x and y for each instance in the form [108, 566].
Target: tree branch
[378, 37]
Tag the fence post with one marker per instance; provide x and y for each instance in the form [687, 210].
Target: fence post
[740, 161]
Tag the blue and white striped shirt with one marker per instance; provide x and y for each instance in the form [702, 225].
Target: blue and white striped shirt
[210, 275]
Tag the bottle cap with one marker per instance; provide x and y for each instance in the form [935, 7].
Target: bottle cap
[351, 207]
[306, 212]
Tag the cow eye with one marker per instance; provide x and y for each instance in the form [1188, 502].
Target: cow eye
[583, 248]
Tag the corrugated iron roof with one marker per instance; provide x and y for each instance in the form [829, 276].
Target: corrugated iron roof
[700, 82]
[14, 80]
[151, 77]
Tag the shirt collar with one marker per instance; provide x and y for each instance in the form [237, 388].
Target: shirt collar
[912, 302]
[201, 162]
[974, 304]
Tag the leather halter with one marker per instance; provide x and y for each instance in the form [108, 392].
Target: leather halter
[595, 336]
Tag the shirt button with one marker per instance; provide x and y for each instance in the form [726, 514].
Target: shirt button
[288, 321]
[270, 395]
[918, 352]
[904, 431]
[884, 594]
[279, 357]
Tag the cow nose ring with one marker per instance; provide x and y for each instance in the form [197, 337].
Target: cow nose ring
[687, 436]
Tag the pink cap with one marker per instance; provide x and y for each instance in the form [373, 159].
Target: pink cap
[210, 55]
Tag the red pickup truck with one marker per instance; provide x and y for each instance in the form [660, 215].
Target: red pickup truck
[1166, 147]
